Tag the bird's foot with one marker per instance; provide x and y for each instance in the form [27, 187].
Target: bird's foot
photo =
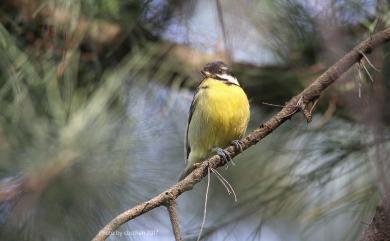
[225, 157]
[238, 145]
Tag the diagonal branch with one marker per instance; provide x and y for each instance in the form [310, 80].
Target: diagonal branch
[298, 103]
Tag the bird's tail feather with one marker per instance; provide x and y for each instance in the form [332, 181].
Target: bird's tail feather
[186, 171]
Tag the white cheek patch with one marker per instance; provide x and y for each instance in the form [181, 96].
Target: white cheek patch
[229, 78]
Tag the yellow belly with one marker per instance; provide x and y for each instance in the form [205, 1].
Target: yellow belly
[221, 115]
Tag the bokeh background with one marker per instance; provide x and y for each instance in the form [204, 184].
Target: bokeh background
[94, 97]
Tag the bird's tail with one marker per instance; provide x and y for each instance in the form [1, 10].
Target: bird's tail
[185, 173]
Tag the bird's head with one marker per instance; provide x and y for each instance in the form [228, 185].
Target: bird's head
[219, 70]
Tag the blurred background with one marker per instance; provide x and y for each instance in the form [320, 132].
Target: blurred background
[94, 97]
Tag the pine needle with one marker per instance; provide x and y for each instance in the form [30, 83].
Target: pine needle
[227, 185]
[205, 205]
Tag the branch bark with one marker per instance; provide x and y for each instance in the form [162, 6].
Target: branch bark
[174, 221]
[298, 103]
[379, 228]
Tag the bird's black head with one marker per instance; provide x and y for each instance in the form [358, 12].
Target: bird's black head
[219, 70]
[215, 68]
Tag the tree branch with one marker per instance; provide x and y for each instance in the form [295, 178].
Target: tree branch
[297, 103]
[379, 228]
[173, 217]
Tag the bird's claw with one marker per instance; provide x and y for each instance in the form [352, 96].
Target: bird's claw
[238, 145]
[222, 154]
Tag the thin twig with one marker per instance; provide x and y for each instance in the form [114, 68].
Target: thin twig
[314, 105]
[301, 104]
[174, 221]
[274, 105]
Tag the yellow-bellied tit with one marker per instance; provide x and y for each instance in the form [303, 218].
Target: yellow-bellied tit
[218, 117]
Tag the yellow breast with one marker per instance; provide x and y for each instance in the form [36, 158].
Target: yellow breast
[221, 115]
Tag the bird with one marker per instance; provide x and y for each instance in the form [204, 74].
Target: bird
[218, 116]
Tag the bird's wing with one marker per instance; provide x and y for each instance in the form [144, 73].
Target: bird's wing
[192, 109]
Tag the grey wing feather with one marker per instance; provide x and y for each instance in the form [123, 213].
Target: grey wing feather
[186, 143]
